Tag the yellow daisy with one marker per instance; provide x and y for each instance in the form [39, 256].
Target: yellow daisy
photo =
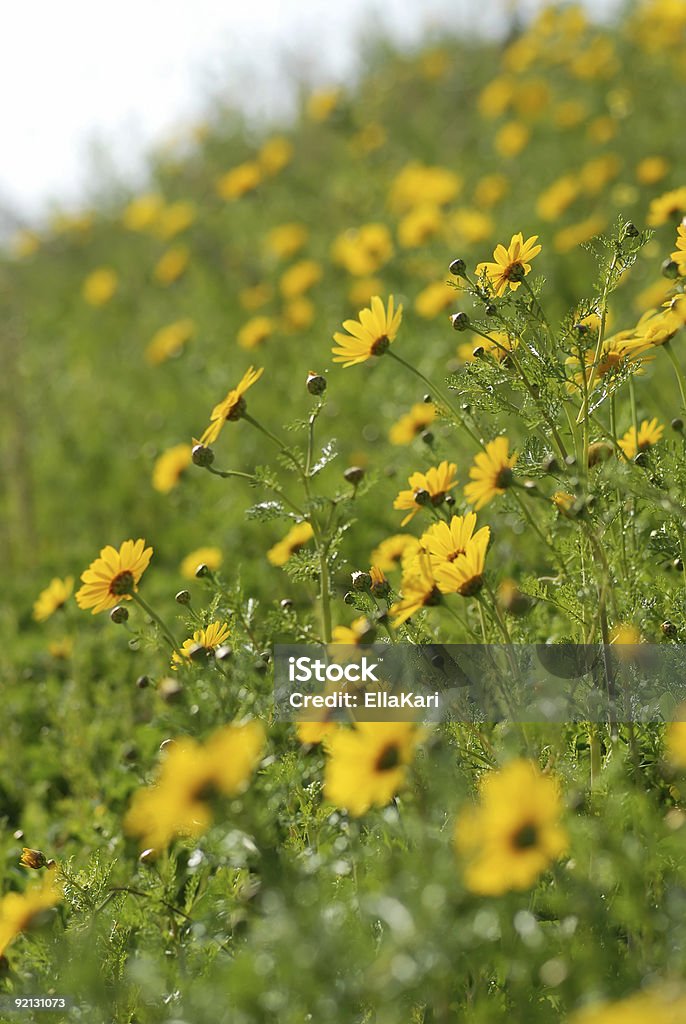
[54, 597]
[209, 639]
[510, 264]
[430, 487]
[232, 407]
[412, 423]
[211, 557]
[170, 466]
[113, 576]
[491, 473]
[18, 911]
[464, 575]
[367, 765]
[418, 590]
[633, 442]
[295, 539]
[369, 335]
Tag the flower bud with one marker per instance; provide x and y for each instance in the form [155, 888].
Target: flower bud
[449, 500]
[677, 424]
[223, 652]
[599, 452]
[349, 597]
[202, 571]
[361, 580]
[315, 383]
[170, 690]
[34, 859]
[631, 231]
[511, 599]
[457, 268]
[550, 465]
[460, 321]
[491, 310]
[148, 856]
[353, 474]
[285, 603]
[142, 682]
[427, 437]
[202, 456]
[427, 399]
[670, 270]
[119, 614]
[422, 497]
[669, 629]
[183, 597]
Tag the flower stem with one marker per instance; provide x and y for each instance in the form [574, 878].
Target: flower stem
[677, 371]
[166, 632]
[435, 391]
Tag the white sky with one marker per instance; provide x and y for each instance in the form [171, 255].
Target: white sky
[76, 75]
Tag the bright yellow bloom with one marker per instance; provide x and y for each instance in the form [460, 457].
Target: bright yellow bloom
[649, 433]
[434, 299]
[369, 335]
[436, 483]
[651, 169]
[275, 154]
[597, 173]
[211, 557]
[554, 200]
[419, 225]
[412, 423]
[670, 206]
[286, 239]
[209, 639]
[54, 597]
[498, 346]
[515, 833]
[495, 98]
[100, 286]
[172, 264]
[315, 732]
[114, 576]
[361, 291]
[469, 226]
[367, 765]
[240, 180]
[321, 104]
[176, 804]
[417, 184]
[510, 264]
[255, 332]
[298, 314]
[491, 473]
[299, 278]
[418, 589]
[170, 466]
[679, 254]
[169, 341]
[175, 218]
[511, 139]
[142, 212]
[295, 539]
[230, 408]
[392, 550]
[615, 352]
[457, 554]
[361, 631]
[576, 234]
[19, 911]
[363, 251]
[659, 1006]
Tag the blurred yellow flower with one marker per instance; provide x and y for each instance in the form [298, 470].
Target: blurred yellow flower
[170, 466]
[679, 254]
[169, 341]
[597, 173]
[392, 550]
[669, 206]
[100, 286]
[651, 169]
[298, 314]
[419, 225]
[19, 911]
[418, 184]
[490, 190]
[25, 243]
[295, 539]
[321, 104]
[511, 139]
[555, 199]
[418, 589]
[286, 240]
[239, 181]
[369, 138]
[172, 264]
[570, 113]
[654, 1005]
[255, 332]
[175, 218]
[275, 154]
[61, 649]
[366, 766]
[412, 423]
[142, 212]
[576, 234]
[515, 832]
[495, 98]
[52, 598]
[362, 251]
[649, 433]
[211, 557]
[114, 576]
[299, 278]
[255, 296]
[435, 298]
[468, 226]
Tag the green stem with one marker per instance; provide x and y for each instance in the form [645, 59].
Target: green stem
[677, 371]
[166, 632]
[435, 391]
[226, 473]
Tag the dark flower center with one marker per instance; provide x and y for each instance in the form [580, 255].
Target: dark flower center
[380, 345]
[472, 586]
[515, 272]
[504, 477]
[388, 759]
[123, 583]
[526, 837]
[237, 409]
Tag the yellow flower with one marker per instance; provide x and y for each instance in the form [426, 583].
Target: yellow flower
[602, 129]
[211, 557]
[315, 732]
[172, 264]
[255, 296]
[490, 190]
[170, 466]
[114, 576]
[142, 212]
[367, 765]
[597, 173]
[369, 335]
[495, 98]
[19, 911]
[434, 484]
[295, 539]
[230, 408]
[417, 184]
[239, 181]
[512, 139]
[54, 597]
[510, 264]
[298, 314]
[299, 278]
[61, 649]
[25, 243]
[169, 341]
[615, 352]
[275, 154]
[576, 234]
[515, 832]
[651, 169]
[100, 286]
[553, 202]
[175, 218]
[455, 546]
[362, 251]
[434, 299]
[470, 226]
[570, 114]
[255, 332]
[670, 206]
[372, 136]
[321, 104]
[563, 502]
[34, 859]
[412, 423]
[659, 1006]
[392, 550]
[176, 804]
[418, 589]
[361, 291]
[361, 631]
[286, 239]
[491, 473]
[419, 225]
[209, 639]
[649, 433]
[498, 346]
[679, 255]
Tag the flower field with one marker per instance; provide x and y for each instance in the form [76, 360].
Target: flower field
[408, 370]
